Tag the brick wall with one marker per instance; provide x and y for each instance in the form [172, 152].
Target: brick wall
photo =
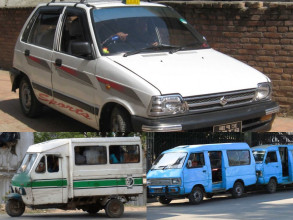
[11, 22]
[259, 34]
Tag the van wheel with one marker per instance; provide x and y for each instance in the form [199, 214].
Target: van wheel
[271, 187]
[114, 208]
[238, 190]
[209, 195]
[196, 195]
[14, 208]
[164, 200]
[29, 104]
[120, 121]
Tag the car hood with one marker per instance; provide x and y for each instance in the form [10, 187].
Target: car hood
[167, 173]
[193, 72]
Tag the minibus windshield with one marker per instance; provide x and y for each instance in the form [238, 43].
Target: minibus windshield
[131, 30]
[169, 161]
[258, 156]
[27, 163]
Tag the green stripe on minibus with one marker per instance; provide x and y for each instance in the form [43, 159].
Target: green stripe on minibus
[49, 183]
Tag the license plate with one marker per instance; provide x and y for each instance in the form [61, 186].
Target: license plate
[229, 127]
[158, 190]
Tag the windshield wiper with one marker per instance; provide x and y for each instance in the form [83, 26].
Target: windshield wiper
[185, 47]
[159, 47]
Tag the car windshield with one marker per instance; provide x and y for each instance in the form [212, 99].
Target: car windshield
[27, 163]
[258, 156]
[169, 161]
[132, 30]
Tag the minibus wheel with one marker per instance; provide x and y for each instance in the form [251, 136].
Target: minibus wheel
[237, 190]
[271, 186]
[164, 200]
[114, 208]
[14, 208]
[196, 195]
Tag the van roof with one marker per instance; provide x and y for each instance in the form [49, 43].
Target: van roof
[49, 145]
[271, 147]
[203, 147]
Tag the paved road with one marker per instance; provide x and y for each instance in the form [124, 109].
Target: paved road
[254, 206]
[128, 215]
[12, 119]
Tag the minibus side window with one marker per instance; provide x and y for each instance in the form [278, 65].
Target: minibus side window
[41, 168]
[90, 155]
[238, 157]
[195, 160]
[124, 154]
[52, 163]
[271, 157]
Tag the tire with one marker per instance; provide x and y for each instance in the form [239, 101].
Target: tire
[114, 208]
[196, 195]
[29, 104]
[271, 187]
[120, 121]
[163, 200]
[238, 190]
[14, 208]
[209, 195]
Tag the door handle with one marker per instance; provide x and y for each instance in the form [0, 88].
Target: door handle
[27, 52]
[204, 171]
[58, 62]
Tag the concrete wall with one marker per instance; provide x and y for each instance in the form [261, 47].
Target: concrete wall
[9, 162]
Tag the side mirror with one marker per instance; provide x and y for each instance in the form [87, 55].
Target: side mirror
[82, 49]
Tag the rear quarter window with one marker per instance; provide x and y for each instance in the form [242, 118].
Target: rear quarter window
[238, 157]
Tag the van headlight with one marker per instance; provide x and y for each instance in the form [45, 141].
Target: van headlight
[176, 181]
[263, 91]
[167, 105]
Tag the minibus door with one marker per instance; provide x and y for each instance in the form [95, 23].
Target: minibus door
[196, 171]
[216, 169]
[47, 180]
[290, 165]
[284, 159]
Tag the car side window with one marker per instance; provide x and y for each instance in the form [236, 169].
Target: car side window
[75, 29]
[195, 160]
[271, 157]
[43, 31]
[41, 167]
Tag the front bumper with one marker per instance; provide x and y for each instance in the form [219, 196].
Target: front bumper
[168, 191]
[249, 115]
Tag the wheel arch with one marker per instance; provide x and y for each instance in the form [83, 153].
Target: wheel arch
[16, 76]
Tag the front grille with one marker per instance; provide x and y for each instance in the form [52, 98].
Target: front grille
[213, 102]
[160, 182]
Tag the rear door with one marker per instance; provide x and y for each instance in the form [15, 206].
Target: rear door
[73, 76]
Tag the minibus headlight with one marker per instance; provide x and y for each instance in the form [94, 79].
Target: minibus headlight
[167, 105]
[176, 181]
[263, 91]
[149, 182]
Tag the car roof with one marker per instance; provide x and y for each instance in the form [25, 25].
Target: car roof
[271, 147]
[210, 147]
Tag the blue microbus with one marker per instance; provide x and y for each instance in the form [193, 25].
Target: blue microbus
[274, 165]
[196, 171]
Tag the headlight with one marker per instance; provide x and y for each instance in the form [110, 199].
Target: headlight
[176, 181]
[263, 91]
[149, 182]
[167, 105]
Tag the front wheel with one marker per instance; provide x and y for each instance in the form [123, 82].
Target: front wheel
[196, 195]
[164, 200]
[114, 208]
[120, 120]
[271, 186]
[14, 208]
[238, 190]
[30, 106]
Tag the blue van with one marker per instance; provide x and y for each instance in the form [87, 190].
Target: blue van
[201, 170]
[274, 165]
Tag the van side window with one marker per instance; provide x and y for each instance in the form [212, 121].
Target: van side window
[90, 155]
[52, 163]
[124, 154]
[238, 157]
[43, 31]
[195, 160]
[271, 157]
[41, 168]
[28, 28]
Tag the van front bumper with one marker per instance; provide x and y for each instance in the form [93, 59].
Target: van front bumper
[167, 191]
[252, 118]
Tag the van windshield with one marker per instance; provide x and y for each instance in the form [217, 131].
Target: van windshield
[258, 156]
[27, 163]
[132, 30]
[169, 161]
